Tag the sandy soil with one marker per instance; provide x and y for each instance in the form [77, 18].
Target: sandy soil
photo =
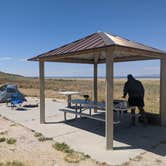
[149, 159]
[29, 150]
[32, 152]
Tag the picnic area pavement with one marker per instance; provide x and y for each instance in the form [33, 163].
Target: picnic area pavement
[87, 135]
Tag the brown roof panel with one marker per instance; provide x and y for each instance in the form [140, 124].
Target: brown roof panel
[96, 40]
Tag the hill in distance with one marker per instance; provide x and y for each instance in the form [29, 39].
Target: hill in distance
[4, 75]
[9, 75]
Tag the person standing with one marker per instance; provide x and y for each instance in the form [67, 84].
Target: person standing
[135, 91]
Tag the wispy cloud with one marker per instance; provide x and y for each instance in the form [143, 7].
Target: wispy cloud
[7, 58]
[23, 59]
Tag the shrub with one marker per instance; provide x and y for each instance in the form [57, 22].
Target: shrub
[42, 138]
[11, 141]
[62, 147]
[38, 134]
[2, 139]
[13, 124]
[73, 157]
[3, 132]
[11, 163]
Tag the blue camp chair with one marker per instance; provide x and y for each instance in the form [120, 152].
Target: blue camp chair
[16, 99]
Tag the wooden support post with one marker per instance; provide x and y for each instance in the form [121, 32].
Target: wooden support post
[163, 91]
[95, 85]
[42, 94]
[109, 100]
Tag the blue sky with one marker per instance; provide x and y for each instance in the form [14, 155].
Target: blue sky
[31, 27]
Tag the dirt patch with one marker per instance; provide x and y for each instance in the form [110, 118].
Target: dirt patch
[149, 158]
[25, 147]
[28, 150]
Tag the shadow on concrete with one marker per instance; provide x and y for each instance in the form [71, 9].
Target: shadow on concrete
[136, 137]
[49, 122]
[20, 109]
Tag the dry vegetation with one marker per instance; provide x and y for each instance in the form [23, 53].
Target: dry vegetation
[30, 87]
[29, 151]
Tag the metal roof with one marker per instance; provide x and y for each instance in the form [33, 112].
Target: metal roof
[95, 41]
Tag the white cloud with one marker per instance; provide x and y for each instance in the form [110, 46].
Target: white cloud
[23, 60]
[7, 58]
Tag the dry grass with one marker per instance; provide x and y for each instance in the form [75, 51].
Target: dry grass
[28, 151]
[71, 156]
[11, 163]
[11, 141]
[30, 87]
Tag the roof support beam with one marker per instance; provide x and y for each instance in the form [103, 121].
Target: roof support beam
[95, 92]
[109, 100]
[42, 94]
[163, 91]
[72, 60]
[128, 59]
[136, 51]
[133, 58]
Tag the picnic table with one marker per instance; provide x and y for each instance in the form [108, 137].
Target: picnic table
[69, 96]
[78, 107]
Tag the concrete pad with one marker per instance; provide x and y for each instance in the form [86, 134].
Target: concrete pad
[87, 135]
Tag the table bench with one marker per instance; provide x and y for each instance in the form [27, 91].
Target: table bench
[76, 113]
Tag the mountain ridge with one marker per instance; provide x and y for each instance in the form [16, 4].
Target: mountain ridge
[4, 75]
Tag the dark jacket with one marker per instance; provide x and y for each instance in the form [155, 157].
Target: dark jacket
[133, 88]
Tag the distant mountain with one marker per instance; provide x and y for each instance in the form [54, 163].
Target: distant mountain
[16, 76]
[141, 76]
[90, 77]
[9, 75]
